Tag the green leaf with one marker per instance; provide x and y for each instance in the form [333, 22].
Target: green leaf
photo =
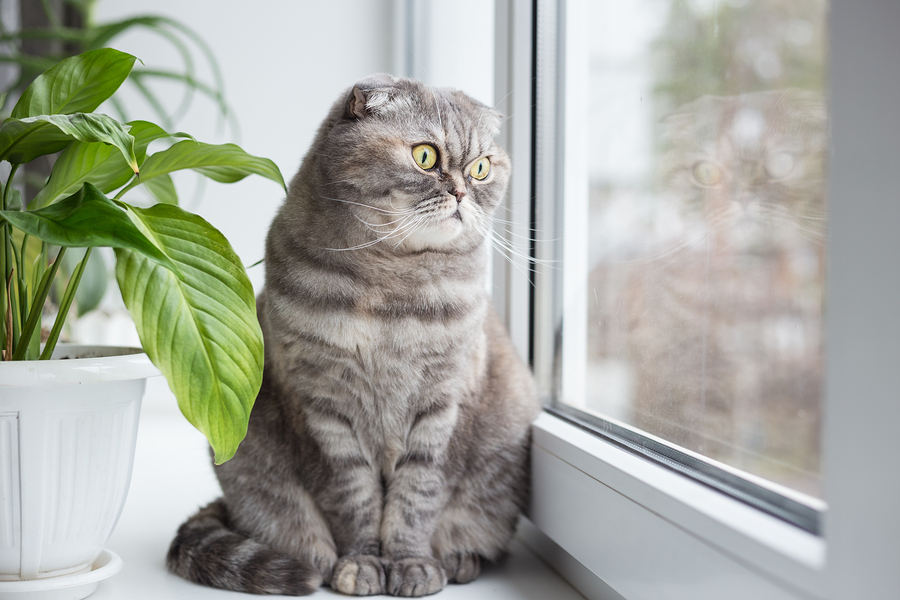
[198, 325]
[226, 163]
[77, 84]
[23, 140]
[163, 189]
[86, 219]
[14, 201]
[94, 280]
[99, 164]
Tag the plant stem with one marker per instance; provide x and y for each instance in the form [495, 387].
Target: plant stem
[6, 228]
[37, 306]
[13, 321]
[64, 305]
[20, 281]
[6, 270]
[131, 184]
[7, 323]
[9, 182]
[4, 305]
[12, 297]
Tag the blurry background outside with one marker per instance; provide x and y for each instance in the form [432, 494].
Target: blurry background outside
[707, 227]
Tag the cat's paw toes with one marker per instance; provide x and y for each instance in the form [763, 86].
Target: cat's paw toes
[462, 567]
[418, 576]
[358, 575]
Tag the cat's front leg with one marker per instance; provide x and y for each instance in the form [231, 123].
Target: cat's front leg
[416, 493]
[348, 489]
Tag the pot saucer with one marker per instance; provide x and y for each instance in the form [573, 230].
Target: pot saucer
[68, 587]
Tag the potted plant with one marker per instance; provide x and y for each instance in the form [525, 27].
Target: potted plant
[184, 286]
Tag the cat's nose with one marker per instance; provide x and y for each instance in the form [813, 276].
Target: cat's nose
[459, 196]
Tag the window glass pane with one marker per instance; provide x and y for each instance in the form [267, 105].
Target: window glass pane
[707, 227]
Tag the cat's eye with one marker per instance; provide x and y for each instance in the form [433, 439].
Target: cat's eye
[425, 156]
[707, 173]
[481, 168]
[779, 165]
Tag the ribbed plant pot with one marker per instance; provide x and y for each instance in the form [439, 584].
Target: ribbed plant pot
[68, 428]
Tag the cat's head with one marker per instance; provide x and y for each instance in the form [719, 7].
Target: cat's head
[407, 167]
[749, 168]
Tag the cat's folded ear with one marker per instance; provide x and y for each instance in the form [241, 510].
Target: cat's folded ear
[368, 95]
[493, 118]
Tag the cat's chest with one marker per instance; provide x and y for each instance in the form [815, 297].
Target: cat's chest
[384, 324]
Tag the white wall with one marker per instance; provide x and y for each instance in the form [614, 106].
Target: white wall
[283, 64]
[446, 43]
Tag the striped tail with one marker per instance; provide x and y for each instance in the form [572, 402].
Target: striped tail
[207, 552]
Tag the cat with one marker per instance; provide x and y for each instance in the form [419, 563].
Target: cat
[388, 448]
[719, 312]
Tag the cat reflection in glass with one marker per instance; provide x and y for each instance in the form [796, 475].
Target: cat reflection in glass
[716, 304]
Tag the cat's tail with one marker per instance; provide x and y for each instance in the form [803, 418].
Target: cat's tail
[207, 552]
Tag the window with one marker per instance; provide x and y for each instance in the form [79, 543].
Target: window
[651, 528]
[692, 266]
[703, 284]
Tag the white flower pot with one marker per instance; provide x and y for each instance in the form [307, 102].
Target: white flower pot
[67, 434]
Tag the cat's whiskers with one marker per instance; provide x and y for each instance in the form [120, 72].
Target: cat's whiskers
[437, 107]
[369, 206]
[816, 235]
[358, 247]
[669, 254]
[381, 236]
[810, 227]
[507, 249]
[417, 225]
[372, 226]
[405, 214]
[528, 238]
[497, 219]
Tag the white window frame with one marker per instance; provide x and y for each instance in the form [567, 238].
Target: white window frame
[619, 526]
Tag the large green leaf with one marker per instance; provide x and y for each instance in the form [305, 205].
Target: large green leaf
[23, 140]
[77, 84]
[226, 162]
[197, 325]
[98, 164]
[163, 189]
[86, 219]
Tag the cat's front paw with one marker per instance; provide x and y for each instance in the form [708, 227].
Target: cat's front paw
[417, 576]
[462, 567]
[359, 575]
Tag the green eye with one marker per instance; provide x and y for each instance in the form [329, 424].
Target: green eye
[425, 156]
[481, 168]
[707, 174]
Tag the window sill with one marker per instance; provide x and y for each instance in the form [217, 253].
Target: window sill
[640, 527]
[172, 477]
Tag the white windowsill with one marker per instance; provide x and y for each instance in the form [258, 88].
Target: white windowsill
[637, 525]
[173, 477]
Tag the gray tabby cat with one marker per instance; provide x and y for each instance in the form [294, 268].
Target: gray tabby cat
[387, 451]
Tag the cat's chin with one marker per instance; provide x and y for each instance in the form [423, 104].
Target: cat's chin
[434, 238]
[443, 235]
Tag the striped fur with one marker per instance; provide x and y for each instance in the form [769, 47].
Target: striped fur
[387, 450]
[206, 551]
